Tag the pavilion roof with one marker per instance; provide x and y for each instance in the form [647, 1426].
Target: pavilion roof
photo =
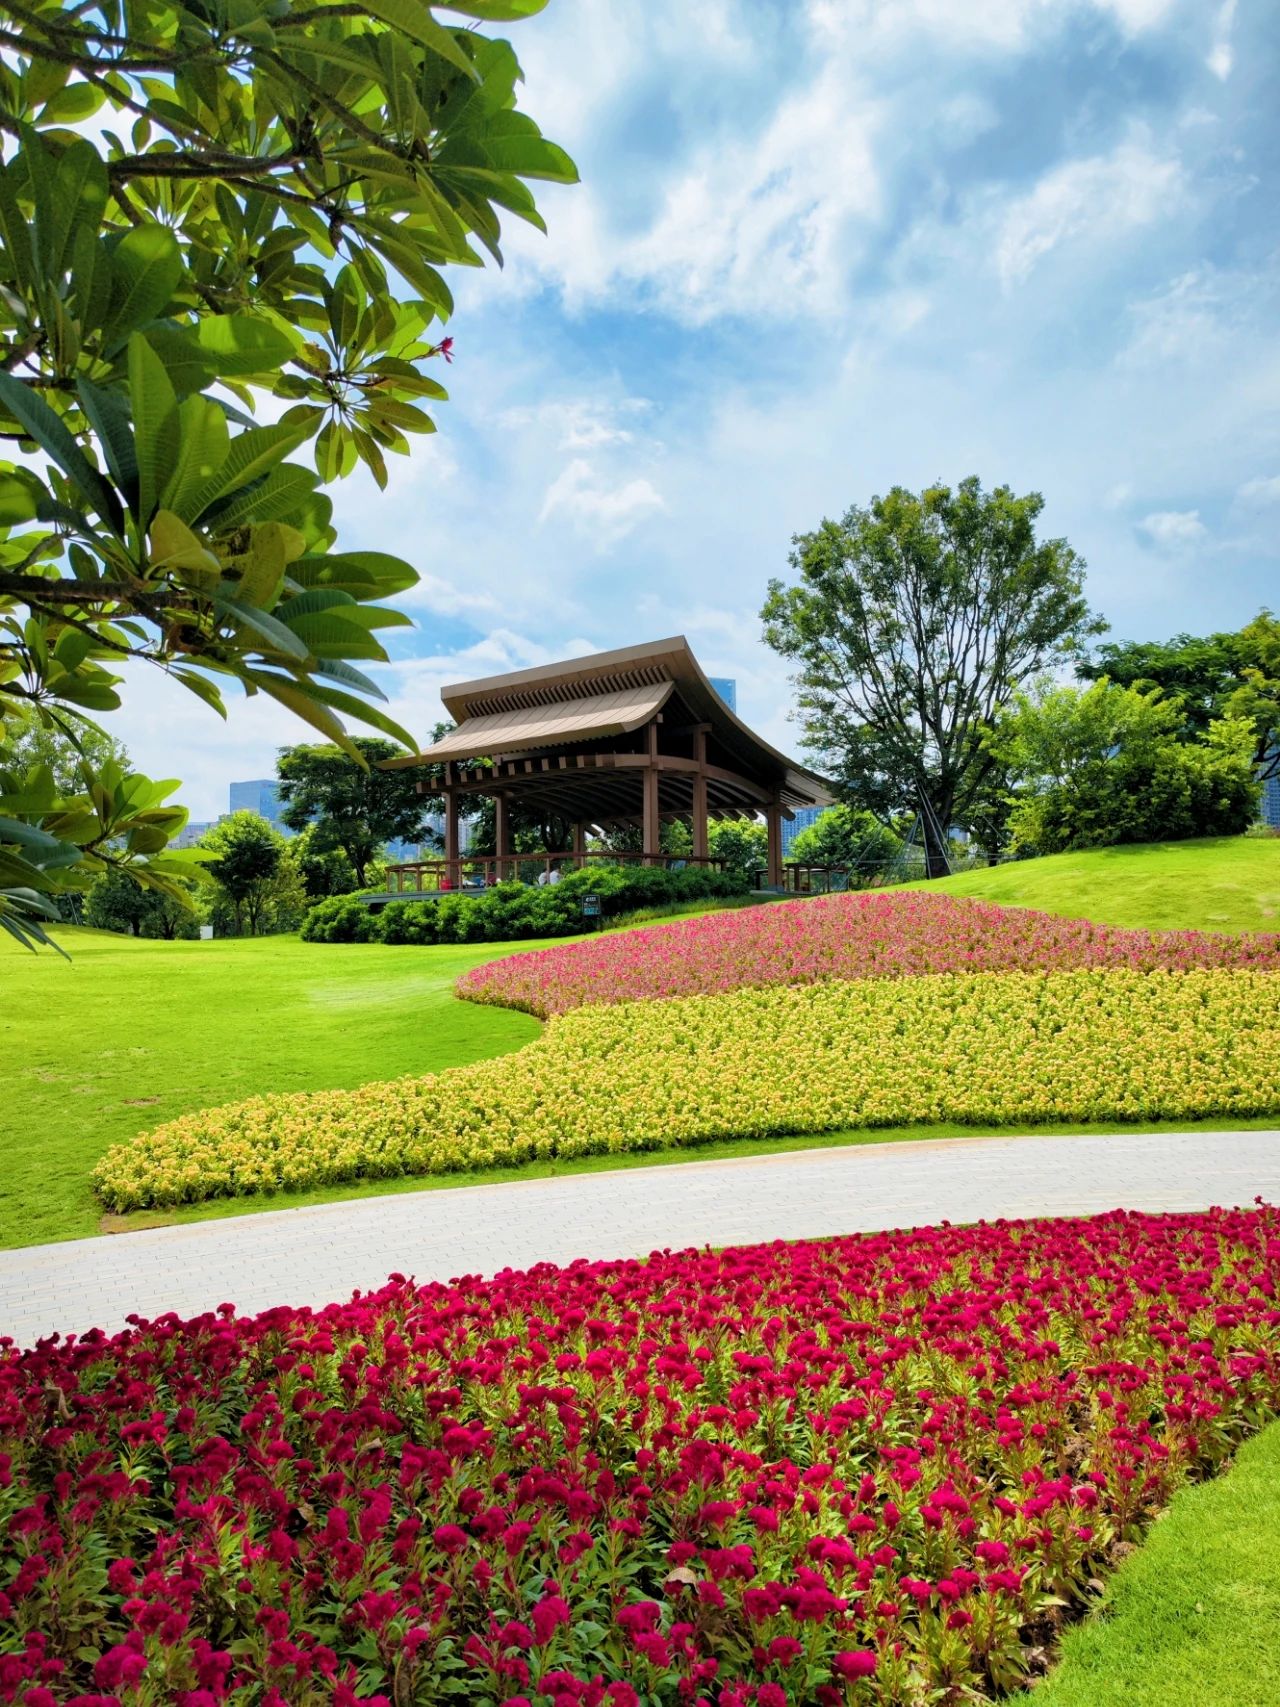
[552, 707]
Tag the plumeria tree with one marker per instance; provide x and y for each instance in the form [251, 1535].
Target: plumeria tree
[224, 232]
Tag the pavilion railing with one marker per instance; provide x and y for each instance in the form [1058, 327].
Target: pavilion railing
[814, 879]
[482, 871]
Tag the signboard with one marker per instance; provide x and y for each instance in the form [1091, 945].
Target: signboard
[591, 906]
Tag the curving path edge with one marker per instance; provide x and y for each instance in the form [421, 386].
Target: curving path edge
[318, 1254]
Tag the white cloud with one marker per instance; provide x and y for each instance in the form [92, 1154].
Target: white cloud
[581, 423]
[442, 598]
[1173, 530]
[1099, 199]
[1184, 320]
[606, 512]
[1221, 57]
[1264, 490]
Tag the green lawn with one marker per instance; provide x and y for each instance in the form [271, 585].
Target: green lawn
[1229, 883]
[1190, 1619]
[128, 1034]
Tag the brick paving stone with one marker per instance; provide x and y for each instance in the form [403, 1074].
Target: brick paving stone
[318, 1254]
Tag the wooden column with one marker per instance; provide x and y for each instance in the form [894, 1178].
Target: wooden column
[453, 869]
[773, 819]
[501, 833]
[651, 831]
[699, 826]
[579, 843]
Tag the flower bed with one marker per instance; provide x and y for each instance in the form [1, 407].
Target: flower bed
[870, 1470]
[840, 936]
[990, 1048]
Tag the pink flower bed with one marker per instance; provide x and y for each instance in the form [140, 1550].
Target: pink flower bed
[879, 935]
[869, 1470]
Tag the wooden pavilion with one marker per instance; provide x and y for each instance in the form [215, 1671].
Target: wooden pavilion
[634, 737]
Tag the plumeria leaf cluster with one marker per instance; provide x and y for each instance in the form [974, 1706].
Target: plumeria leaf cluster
[868, 1472]
[225, 230]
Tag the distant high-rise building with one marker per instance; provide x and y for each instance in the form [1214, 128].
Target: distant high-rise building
[805, 818]
[189, 835]
[1270, 803]
[727, 688]
[262, 796]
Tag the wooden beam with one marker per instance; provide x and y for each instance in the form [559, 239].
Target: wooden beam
[773, 819]
[699, 804]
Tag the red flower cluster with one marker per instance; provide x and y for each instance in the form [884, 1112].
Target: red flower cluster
[872, 935]
[833, 1473]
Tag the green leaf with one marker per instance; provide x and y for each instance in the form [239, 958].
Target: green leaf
[155, 418]
[277, 637]
[201, 686]
[413, 19]
[188, 367]
[252, 454]
[71, 195]
[174, 546]
[146, 270]
[280, 495]
[20, 497]
[72, 105]
[203, 443]
[244, 344]
[107, 412]
[15, 240]
[39, 422]
[494, 11]
[271, 548]
[375, 574]
[366, 713]
[302, 699]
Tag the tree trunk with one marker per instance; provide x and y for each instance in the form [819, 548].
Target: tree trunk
[935, 815]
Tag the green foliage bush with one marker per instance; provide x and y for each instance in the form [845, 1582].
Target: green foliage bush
[514, 912]
[1106, 765]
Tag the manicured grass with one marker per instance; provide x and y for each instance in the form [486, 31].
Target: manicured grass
[1228, 883]
[1191, 1619]
[129, 1034]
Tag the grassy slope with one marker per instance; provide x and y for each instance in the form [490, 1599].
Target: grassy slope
[1192, 1618]
[132, 1033]
[1229, 883]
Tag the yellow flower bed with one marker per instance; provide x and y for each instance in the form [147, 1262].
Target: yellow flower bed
[990, 1049]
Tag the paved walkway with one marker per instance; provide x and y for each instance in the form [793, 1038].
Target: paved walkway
[316, 1255]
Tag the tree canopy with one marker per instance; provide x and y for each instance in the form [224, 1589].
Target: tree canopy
[850, 837]
[1212, 676]
[224, 233]
[911, 622]
[349, 806]
[1106, 764]
[244, 855]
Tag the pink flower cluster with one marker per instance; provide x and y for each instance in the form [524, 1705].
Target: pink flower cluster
[872, 935]
[835, 1473]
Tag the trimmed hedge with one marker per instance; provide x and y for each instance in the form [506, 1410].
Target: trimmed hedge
[514, 912]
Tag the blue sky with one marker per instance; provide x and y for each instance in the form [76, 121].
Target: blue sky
[820, 247]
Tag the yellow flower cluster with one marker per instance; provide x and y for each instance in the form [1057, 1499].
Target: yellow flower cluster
[986, 1048]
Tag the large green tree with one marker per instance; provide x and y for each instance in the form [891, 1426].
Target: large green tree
[910, 623]
[1212, 676]
[224, 232]
[352, 806]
